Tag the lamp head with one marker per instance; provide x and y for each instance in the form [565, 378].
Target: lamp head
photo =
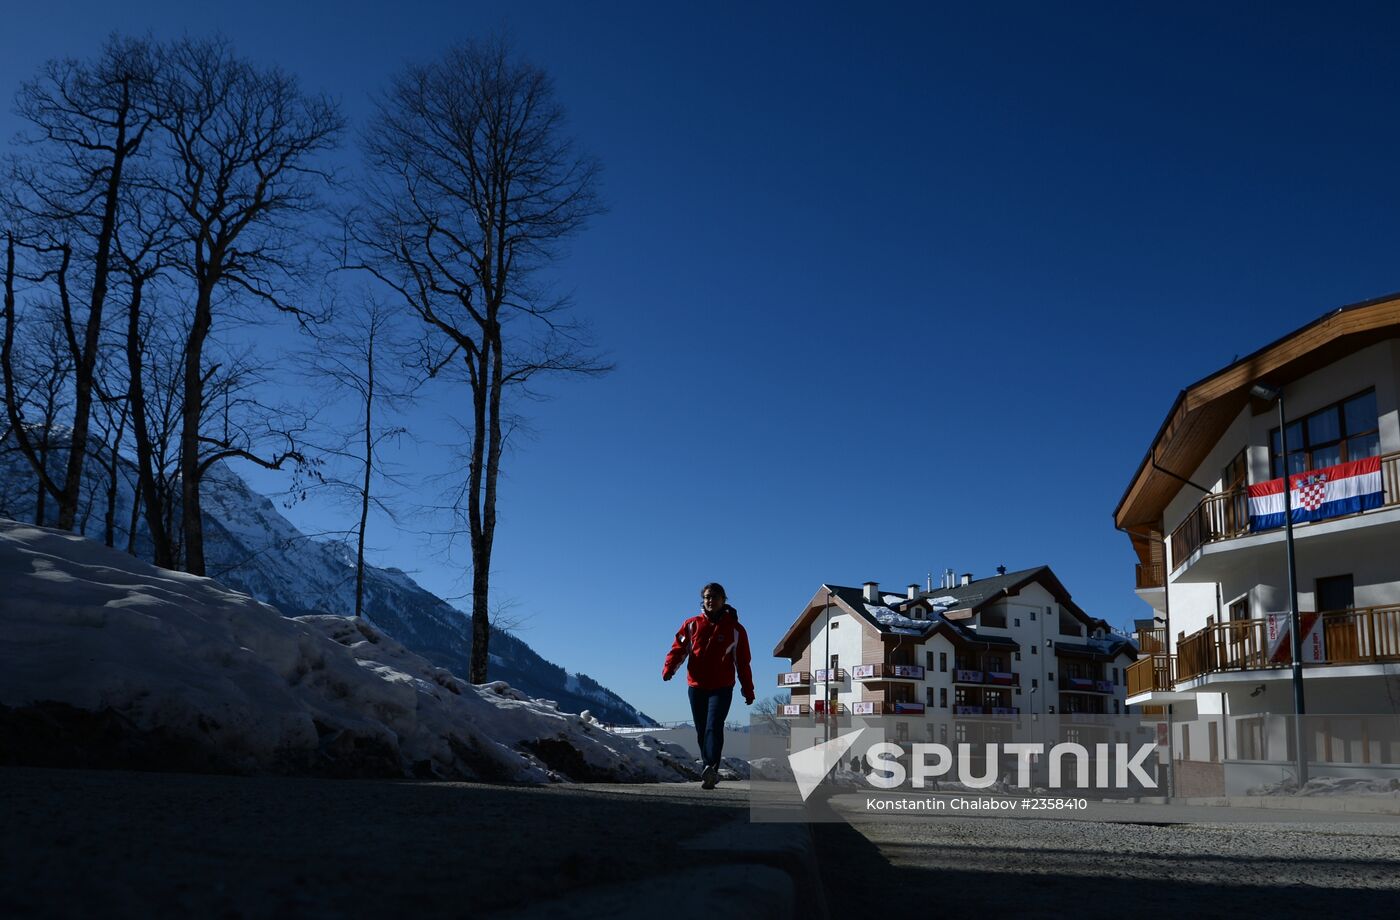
[1266, 392]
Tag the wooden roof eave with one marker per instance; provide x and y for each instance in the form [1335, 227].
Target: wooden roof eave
[1203, 411]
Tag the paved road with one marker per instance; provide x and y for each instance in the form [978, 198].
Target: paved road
[118, 844]
[1189, 867]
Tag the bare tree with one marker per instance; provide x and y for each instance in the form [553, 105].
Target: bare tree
[90, 120]
[244, 143]
[357, 356]
[475, 187]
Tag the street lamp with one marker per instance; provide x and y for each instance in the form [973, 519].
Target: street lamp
[1270, 393]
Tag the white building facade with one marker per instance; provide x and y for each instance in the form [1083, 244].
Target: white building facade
[978, 650]
[1217, 578]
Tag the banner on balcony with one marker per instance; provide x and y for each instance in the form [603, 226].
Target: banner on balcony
[1318, 494]
[1281, 643]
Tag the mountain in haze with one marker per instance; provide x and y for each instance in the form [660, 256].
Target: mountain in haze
[251, 546]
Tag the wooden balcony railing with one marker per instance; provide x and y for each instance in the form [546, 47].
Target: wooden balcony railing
[1360, 635]
[1151, 641]
[881, 671]
[1150, 575]
[1223, 515]
[794, 679]
[1156, 672]
[794, 710]
[887, 708]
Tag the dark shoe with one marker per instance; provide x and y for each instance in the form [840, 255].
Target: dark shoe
[709, 778]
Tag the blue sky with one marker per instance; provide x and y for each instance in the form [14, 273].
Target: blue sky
[889, 291]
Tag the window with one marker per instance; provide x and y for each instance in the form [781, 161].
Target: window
[1335, 593]
[942, 697]
[1035, 650]
[1249, 739]
[943, 662]
[928, 697]
[835, 663]
[1032, 616]
[1239, 610]
[1016, 622]
[1035, 683]
[1050, 677]
[928, 661]
[918, 613]
[1235, 473]
[1115, 676]
[1344, 431]
[1016, 656]
[943, 732]
[1018, 691]
[835, 624]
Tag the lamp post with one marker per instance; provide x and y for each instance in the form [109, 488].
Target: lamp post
[826, 684]
[1266, 392]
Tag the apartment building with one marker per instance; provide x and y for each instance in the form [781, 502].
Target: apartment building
[1204, 513]
[970, 649]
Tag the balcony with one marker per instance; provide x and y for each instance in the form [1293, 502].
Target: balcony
[989, 678]
[887, 708]
[880, 671]
[1150, 575]
[794, 679]
[1359, 635]
[794, 710]
[819, 708]
[829, 675]
[1151, 641]
[966, 710]
[1156, 673]
[1225, 515]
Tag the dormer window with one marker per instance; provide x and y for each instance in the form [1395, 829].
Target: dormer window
[918, 613]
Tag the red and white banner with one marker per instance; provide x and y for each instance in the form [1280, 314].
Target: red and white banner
[1281, 643]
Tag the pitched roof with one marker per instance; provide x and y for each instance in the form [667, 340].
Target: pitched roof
[971, 597]
[1204, 410]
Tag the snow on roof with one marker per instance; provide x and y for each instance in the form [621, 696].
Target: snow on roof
[211, 668]
[897, 622]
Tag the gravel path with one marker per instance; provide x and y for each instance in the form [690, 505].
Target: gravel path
[1081, 869]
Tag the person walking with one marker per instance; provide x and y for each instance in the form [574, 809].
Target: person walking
[716, 647]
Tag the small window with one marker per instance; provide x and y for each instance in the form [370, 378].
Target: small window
[1052, 710]
[943, 662]
[1035, 684]
[1050, 677]
[1017, 622]
[1032, 616]
[918, 613]
[943, 732]
[1115, 675]
[1017, 655]
[928, 661]
[928, 696]
[1035, 650]
[835, 624]
[1018, 691]
[943, 697]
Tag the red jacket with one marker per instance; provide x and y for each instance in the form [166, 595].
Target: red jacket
[716, 649]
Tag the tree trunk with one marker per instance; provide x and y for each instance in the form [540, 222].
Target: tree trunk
[164, 555]
[364, 487]
[192, 525]
[86, 359]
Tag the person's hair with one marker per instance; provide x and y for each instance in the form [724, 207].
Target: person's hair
[712, 587]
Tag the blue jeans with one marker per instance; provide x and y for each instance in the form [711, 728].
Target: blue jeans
[708, 708]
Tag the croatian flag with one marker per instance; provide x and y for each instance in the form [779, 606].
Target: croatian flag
[1318, 494]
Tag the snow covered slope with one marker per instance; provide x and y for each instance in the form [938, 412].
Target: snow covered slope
[109, 661]
[251, 546]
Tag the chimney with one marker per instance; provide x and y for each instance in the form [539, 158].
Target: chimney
[950, 578]
[1001, 570]
[872, 592]
[967, 579]
[913, 591]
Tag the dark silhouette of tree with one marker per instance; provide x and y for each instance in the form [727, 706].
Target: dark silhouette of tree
[244, 143]
[89, 120]
[474, 186]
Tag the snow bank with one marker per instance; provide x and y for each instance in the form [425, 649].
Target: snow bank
[194, 675]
